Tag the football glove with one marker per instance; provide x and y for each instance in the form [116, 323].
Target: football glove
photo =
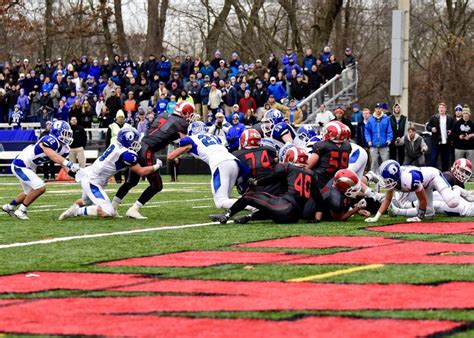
[157, 165]
[371, 219]
[413, 219]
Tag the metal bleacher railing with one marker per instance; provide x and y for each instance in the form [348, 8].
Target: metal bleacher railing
[341, 90]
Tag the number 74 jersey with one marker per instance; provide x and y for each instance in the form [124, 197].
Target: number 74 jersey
[208, 148]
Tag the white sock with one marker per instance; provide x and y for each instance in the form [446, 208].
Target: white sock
[23, 208]
[137, 205]
[87, 211]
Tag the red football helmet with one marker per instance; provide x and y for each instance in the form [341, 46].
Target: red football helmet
[346, 181]
[185, 109]
[296, 155]
[462, 169]
[250, 139]
[335, 131]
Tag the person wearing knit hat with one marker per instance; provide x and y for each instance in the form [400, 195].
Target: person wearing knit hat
[458, 112]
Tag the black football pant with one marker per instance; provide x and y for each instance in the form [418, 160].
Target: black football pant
[146, 158]
[277, 208]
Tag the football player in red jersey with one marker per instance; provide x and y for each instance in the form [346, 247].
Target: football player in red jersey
[331, 154]
[163, 130]
[285, 208]
[259, 160]
[339, 197]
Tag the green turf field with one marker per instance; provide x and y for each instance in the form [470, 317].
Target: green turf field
[187, 202]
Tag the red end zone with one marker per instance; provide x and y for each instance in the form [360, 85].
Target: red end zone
[367, 250]
[137, 316]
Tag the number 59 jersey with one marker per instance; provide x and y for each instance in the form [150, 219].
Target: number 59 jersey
[208, 148]
[332, 157]
[34, 156]
[115, 158]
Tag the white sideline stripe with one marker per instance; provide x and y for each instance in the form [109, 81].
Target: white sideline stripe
[148, 205]
[66, 183]
[61, 192]
[118, 233]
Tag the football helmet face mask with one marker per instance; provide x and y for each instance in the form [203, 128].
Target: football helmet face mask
[194, 117]
[62, 131]
[306, 132]
[250, 139]
[270, 119]
[129, 138]
[462, 169]
[196, 128]
[297, 156]
[390, 171]
[346, 181]
[185, 109]
[335, 132]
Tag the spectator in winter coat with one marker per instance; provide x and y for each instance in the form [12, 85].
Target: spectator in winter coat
[333, 68]
[260, 69]
[399, 129]
[360, 134]
[247, 102]
[234, 132]
[440, 126]
[323, 117]
[294, 114]
[379, 135]
[23, 100]
[276, 89]
[325, 55]
[356, 113]
[164, 68]
[207, 69]
[187, 68]
[290, 66]
[299, 89]
[308, 61]
[272, 65]
[215, 98]
[463, 136]
[339, 116]
[222, 70]
[229, 97]
[415, 148]
[285, 59]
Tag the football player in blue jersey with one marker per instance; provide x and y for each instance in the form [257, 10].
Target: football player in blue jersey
[273, 127]
[225, 167]
[120, 155]
[53, 147]
[422, 181]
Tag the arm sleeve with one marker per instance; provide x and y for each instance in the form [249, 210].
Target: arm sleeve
[367, 131]
[50, 142]
[129, 158]
[185, 141]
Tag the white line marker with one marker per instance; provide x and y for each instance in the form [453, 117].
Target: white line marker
[118, 233]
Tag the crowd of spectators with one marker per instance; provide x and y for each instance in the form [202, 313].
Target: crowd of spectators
[94, 90]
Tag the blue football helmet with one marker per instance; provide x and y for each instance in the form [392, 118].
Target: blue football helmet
[390, 171]
[62, 131]
[306, 132]
[271, 119]
[197, 127]
[129, 138]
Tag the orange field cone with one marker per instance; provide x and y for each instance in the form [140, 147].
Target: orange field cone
[63, 176]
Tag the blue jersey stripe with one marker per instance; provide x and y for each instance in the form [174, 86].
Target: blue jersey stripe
[96, 191]
[216, 180]
[20, 173]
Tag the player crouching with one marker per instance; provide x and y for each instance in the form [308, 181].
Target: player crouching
[285, 208]
[118, 156]
[53, 147]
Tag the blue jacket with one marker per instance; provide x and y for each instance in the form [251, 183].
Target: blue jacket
[379, 131]
[277, 91]
[207, 71]
[164, 70]
[233, 136]
[357, 116]
[308, 62]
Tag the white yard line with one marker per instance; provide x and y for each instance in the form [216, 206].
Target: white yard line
[100, 235]
[148, 205]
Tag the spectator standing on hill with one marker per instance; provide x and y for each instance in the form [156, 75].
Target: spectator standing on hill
[356, 113]
[272, 65]
[325, 55]
[399, 127]
[379, 135]
[463, 136]
[415, 148]
[440, 126]
[323, 117]
[308, 61]
[360, 134]
[215, 98]
[247, 102]
[276, 90]
[339, 116]
[234, 132]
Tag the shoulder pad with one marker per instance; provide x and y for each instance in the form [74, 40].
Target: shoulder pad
[50, 142]
[130, 158]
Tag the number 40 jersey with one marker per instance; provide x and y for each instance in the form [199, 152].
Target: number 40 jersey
[208, 148]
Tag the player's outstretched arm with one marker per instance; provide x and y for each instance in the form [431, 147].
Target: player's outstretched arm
[313, 160]
[383, 207]
[55, 157]
[145, 171]
[178, 152]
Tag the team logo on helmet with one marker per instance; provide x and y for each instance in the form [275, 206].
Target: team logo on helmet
[390, 172]
[347, 181]
[297, 156]
[462, 169]
[250, 138]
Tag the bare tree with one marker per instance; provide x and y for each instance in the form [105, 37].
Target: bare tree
[291, 7]
[324, 16]
[212, 38]
[157, 10]
[121, 37]
[104, 13]
[48, 25]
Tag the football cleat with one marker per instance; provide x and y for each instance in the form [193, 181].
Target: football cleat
[10, 212]
[21, 215]
[243, 219]
[413, 219]
[133, 212]
[70, 212]
[221, 218]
